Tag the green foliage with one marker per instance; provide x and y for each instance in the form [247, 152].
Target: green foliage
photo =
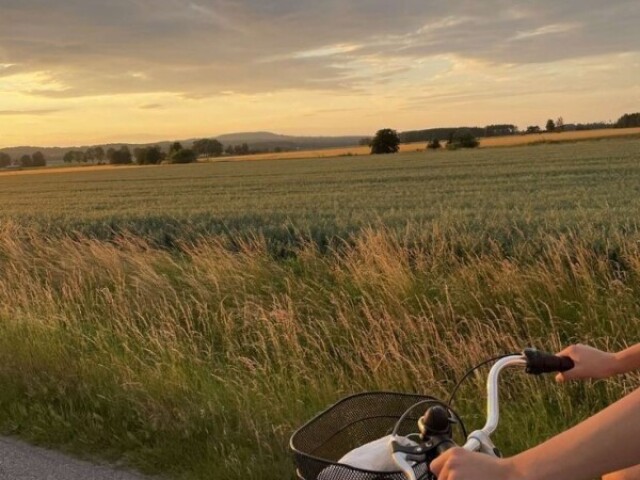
[434, 144]
[92, 155]
[500, 130]
[121, 156]
[38, 160]
[439, 133]
[385, 141]
[5, 160]
[175, 148]
[26, 161]
[551, 125]
[184, 156]
[242, 149]
[74, 156]
[629, 120]
[462, 139]
[148, 155]
[208, 147]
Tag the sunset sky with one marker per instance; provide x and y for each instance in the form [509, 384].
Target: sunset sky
[78, 72]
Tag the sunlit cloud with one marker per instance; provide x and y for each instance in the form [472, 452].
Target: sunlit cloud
[214, 66]
[547, 30]
[15, 113]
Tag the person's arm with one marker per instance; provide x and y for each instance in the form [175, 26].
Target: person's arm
[606, 442]
[596, 364]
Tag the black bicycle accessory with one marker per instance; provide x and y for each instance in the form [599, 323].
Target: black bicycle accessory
[436, 431]
[353, 422]
[542, 362]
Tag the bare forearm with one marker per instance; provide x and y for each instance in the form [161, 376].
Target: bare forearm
[628, 360]
[604, 443]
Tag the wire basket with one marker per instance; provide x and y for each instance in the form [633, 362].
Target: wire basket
[352, 422]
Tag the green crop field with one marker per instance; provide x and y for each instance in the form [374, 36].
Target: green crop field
[185, 319]
[543, 188]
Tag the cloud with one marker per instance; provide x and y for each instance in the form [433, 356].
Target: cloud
[150, 106]
[547, 30]
[15, 113]
[200, 49]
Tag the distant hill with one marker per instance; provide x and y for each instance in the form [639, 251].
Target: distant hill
[255, 141]
[261, 140]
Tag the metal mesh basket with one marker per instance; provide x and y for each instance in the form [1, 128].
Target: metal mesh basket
[349, 424]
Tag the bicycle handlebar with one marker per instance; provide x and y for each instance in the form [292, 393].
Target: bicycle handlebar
[536, 363]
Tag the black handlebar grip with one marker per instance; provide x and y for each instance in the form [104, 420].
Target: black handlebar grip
[542, 362]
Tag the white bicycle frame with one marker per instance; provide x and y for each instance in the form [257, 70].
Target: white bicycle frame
[480, 440]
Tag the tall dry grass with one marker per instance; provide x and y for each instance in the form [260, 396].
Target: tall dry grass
[200, 361]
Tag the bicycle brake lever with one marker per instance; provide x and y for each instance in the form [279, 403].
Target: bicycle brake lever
[402, 454]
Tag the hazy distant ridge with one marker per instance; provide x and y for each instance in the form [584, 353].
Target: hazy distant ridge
[255, 140]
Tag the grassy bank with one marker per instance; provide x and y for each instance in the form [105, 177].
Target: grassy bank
[199, 361]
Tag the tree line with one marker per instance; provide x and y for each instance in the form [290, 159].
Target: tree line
[552, 125]
[37, 159]
[388, 140]
[155, 155]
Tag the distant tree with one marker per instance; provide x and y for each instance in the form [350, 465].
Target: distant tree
[628, 120]
[208, 147]
[241, 149]
[500, 130]
[155, 155]
[74, 156]
[89, 155]
[26, 161]
[365, 142]
[462, 138]
[125, 155]
[434, 144]
[98, 153]
[594, 126]
[560, 124]
[111, 155]
[533, 129]
[122, 156]
[140, 156]
[174, 148]
[38, 160]
[551, 125]
[385, 141]
[148, 155]
[5, 160]
[183, 156]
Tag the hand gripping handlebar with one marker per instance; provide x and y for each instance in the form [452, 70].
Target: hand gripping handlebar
[536, 363]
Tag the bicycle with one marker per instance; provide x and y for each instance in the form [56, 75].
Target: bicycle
[371, 436]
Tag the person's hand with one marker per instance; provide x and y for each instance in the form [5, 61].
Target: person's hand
[459, 464]
[589, 363]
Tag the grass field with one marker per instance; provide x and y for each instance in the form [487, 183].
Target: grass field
[186, 319]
